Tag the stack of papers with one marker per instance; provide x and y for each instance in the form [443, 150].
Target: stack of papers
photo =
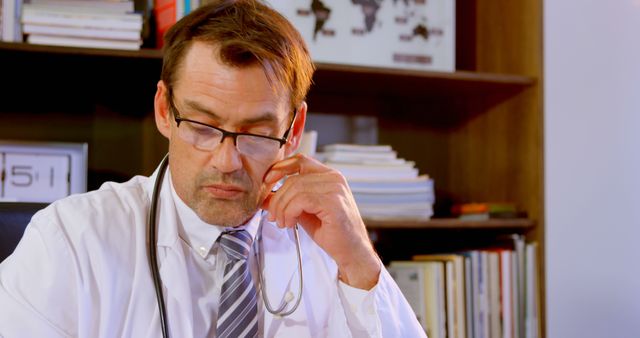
[91, 24]
[385, 187]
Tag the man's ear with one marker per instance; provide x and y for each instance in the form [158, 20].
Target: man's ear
[297, 130]
[161, 110]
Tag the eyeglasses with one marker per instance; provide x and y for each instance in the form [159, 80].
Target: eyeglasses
[206, 137]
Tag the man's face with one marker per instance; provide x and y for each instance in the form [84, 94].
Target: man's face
[221, 185]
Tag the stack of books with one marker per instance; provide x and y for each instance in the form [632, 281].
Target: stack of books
[76, 23]
[385, 187]
[485, 211]
[486, 293]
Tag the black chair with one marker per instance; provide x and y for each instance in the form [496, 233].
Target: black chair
[14, 218]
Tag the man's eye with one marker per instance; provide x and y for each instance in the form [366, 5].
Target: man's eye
[262, 131]
[201, 130]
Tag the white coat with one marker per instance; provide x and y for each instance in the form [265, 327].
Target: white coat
[81, 270]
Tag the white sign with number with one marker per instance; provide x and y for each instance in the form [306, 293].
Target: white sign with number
[36, 177]
[41, 172]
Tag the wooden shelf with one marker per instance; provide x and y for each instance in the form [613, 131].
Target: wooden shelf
[405, 83]
[335, 78]
[26, 47]
[452, 223]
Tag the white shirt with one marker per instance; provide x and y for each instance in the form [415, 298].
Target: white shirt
[206, 263]
[81, 270]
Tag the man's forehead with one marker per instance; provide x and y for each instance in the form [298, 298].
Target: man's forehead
[201, 55]
[205, 84]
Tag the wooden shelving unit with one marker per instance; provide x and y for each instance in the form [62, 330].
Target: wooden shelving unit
[516, 224]
[335, 78]
[477, 131]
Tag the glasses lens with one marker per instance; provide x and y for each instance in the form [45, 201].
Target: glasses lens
[259, 148]
[202, 137]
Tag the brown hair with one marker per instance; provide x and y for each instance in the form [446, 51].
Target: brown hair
[246, 32]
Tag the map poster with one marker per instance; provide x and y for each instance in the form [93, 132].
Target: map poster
[409, 34]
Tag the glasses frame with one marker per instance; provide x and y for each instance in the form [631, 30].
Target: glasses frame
[233, 135]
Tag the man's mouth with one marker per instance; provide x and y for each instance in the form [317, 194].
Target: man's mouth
[224, 191]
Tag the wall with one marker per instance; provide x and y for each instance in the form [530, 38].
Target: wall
[592, 174]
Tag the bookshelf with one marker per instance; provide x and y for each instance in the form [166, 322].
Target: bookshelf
[476, 131]
[517, 224]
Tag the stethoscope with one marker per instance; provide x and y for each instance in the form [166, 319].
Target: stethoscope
[152, 225]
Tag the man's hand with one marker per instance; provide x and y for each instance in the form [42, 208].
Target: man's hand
[318, 198]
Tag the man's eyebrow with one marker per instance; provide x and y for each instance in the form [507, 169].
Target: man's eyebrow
[193, 105]
[267, 117]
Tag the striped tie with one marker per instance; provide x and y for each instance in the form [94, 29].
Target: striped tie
[238, 312]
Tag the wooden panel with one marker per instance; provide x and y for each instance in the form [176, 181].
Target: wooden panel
[509, 36]
[509, 40]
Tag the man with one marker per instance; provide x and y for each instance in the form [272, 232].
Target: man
[231, 103]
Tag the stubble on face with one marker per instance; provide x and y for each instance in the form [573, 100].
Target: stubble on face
[225, 212]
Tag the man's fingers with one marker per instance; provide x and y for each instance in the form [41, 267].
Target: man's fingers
[267, 201]
[298, 164]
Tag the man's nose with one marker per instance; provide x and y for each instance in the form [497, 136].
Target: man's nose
[226, 157]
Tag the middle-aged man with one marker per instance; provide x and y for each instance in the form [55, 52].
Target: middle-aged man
[231, 103]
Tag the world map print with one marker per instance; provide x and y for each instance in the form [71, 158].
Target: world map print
[408, 33]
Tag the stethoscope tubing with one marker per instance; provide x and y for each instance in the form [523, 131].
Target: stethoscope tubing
[152, 240]
[280, 311]
[155, 269]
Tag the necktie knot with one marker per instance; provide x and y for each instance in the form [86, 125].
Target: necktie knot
[236, 244]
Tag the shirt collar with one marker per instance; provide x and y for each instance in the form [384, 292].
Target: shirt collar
[200, 235]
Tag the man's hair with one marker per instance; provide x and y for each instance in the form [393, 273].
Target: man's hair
[246, 32]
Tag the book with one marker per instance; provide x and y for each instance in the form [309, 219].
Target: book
[398, 186]
[478, 208]
[410, 280]
[393, 199]
[493, 282]
[434, 295]
[11, 29]
[165, 15]
[359, 156]
[129, 21]
[356, 148]
[531, 300]
[506, 296]
[485, 211]
[455, 291]
[396, 212]
[372, 172]
[479, 293]
[77, 32]
[82, 6]
[519, 285]
[468, 293]
[372, 165]
[79, 5]
[82, 42]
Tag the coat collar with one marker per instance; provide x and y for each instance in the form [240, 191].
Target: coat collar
[279, 263]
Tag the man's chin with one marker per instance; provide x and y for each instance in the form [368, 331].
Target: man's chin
[226, 213]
